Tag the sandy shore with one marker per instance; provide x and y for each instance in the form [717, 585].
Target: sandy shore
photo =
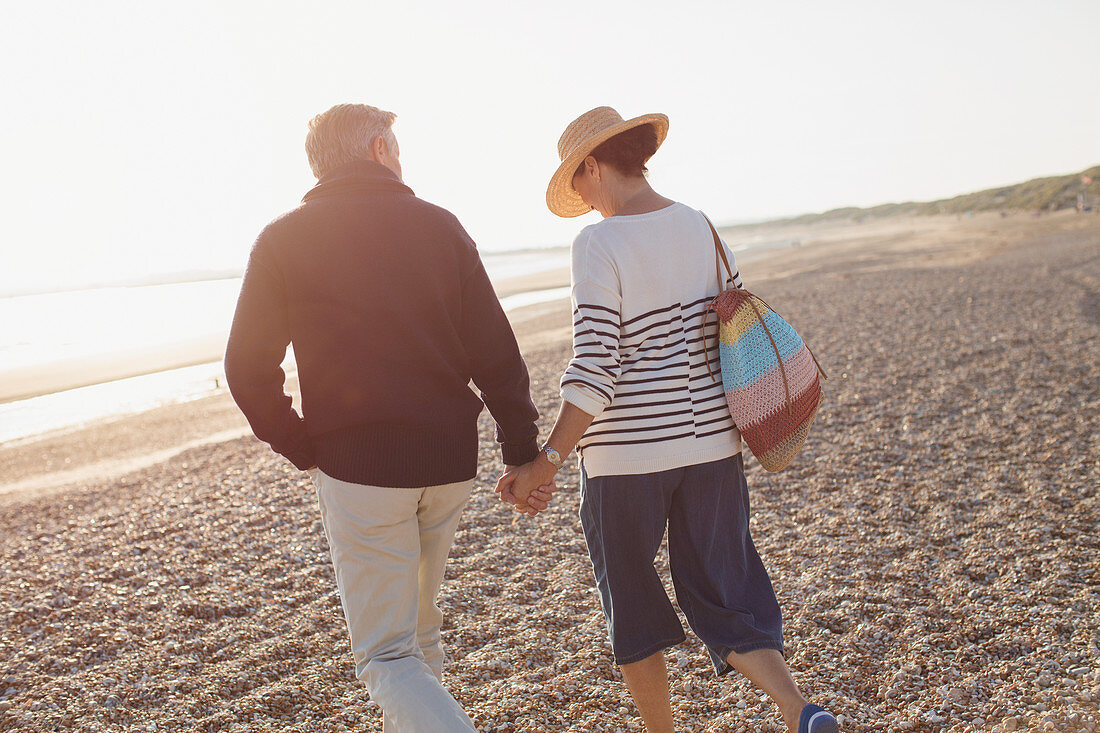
[38, 380]
[934, 549]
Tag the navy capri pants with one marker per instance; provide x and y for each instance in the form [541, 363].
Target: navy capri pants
[721, 584]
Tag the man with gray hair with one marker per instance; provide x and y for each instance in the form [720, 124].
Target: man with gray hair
[391, 315]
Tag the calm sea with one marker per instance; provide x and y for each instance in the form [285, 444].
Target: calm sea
[40, 331]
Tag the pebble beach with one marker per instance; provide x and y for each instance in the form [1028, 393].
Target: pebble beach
[935, 547]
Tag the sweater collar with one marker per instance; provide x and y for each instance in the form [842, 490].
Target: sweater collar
[359, 175]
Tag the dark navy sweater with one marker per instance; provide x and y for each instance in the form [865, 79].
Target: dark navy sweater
[391, 315]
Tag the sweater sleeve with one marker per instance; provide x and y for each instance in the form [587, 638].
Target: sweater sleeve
[498, 369]
[589, 380]
[256, 348]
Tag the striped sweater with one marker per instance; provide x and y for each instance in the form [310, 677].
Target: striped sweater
[641, 286]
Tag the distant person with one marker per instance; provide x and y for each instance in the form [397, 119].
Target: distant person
[657, 444]
[391, 315]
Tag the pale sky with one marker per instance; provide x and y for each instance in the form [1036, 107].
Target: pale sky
[150, 137]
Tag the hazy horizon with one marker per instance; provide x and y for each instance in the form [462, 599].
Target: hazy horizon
[199, 274]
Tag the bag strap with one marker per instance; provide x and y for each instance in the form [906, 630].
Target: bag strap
[778, 356]
[720, 251]
[816, 363]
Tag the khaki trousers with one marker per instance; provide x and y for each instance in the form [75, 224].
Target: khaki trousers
[389, 547]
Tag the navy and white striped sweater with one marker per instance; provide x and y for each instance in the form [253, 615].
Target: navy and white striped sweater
[641, 286]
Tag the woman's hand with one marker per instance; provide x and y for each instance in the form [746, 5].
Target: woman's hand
[528, 487]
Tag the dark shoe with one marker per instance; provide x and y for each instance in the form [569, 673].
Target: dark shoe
[815, 719]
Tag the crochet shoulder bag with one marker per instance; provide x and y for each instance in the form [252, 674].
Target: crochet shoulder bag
[769, 375]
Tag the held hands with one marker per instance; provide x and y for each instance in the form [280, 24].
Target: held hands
[528, 487]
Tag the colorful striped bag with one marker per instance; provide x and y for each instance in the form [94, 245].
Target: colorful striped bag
[769, 374]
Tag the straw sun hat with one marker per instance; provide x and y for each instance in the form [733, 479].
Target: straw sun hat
[578, 141]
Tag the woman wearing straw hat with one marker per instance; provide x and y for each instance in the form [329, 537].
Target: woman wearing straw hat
[658, 447]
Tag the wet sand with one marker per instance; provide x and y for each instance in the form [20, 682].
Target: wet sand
[934, 548]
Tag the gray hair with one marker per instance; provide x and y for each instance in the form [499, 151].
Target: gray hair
[344, 134]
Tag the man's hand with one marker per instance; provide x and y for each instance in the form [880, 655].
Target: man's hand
[529, 487]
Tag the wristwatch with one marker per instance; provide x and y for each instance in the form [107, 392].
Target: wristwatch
[552, 455]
